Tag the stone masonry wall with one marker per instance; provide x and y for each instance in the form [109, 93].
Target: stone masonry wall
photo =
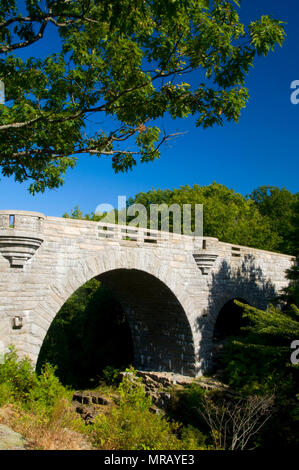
[172, 287]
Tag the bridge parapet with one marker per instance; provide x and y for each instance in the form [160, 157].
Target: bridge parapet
[86, 231]
[235, 253]
[22, 232]
[139, 234]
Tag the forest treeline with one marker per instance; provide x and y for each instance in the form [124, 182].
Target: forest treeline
[267, 218]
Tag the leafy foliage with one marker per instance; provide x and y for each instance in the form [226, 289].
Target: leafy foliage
[290, 294]
[260, 363]
[17, 377]
[122, 63]
[43, 413]
[110, 375]
[132, 426]
[24, 387]
[184, 405]
[48, 393]
[282, 209]
[132, 392]
[268, 218]
[269, 337]
[227, 215]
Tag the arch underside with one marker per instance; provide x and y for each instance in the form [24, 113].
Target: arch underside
[161, 333]
[230, 320]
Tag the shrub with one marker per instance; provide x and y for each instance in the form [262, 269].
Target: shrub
[235, 423]
[131, 425]
[132, 429]
[132, 393]
[6, 394]
[110, 375]
[192, 438]
[185, 403]
[20, 384]
[61, 429]
[42, 411]
[17, 377]
[47, 392]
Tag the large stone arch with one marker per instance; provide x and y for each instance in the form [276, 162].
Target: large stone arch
[161, 331]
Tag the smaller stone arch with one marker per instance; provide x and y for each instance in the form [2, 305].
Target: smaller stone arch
[209, 345]
[230, 320]
[228, 323]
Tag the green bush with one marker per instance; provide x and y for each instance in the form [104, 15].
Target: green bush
[20, 384]
[134, 429]
[132, 426]
[6, 394]
[17, 377]
[132, 393]
[47, 391]
[192, 438]
[259, 363]
[185, 403]
[110, 375]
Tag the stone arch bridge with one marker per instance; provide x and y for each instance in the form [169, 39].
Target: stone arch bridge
[171, 287]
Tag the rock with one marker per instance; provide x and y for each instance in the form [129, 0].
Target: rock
[103, 401]
[11, 440]
[89, 397]
[88, 412]
[77, 397]
[155, 410]
[91, 404]
[157, 386]
[164, 379]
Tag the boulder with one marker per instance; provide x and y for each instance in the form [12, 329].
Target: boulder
[11, 440]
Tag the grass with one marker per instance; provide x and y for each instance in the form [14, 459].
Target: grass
[57, 433]
[39, 408]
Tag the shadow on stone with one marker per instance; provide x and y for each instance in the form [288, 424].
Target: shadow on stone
[246, 283]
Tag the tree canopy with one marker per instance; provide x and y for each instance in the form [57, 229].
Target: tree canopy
[282, 208]
[122, 63]
[227, 214]
[266, 219]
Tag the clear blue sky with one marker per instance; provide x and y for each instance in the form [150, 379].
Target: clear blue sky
[261, 150]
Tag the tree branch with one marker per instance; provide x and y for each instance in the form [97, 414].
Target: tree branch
[19, 45]
[17, 125]
[101, 150]
[44, 18]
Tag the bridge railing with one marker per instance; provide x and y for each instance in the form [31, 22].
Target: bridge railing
[136, 234]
